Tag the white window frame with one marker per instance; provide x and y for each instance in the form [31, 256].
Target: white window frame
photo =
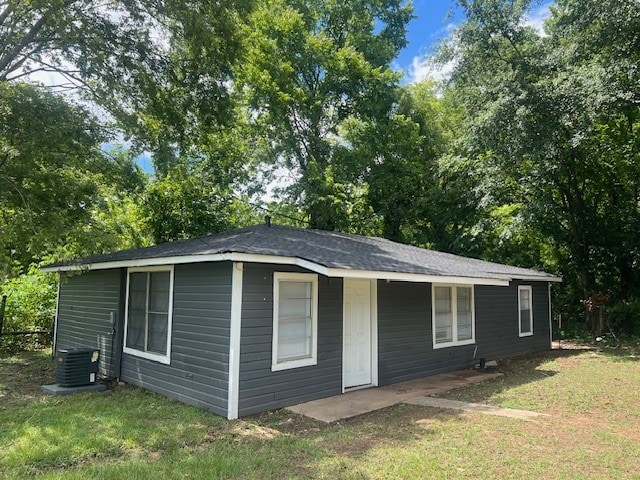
[295, 277]
[454, 308]
[520, 332]
[166, 359]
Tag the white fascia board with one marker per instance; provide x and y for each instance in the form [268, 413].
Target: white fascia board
[281, 260]
[142, 262]
[367, 274]
[533, 278]
[500, 280]
[182, 259]
[415, 277]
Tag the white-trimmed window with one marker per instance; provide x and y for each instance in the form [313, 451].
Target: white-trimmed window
[295, 320]
[453, 315]
[525, 312]
[147, 331]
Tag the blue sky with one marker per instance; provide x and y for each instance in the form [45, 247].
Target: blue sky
[434, 20]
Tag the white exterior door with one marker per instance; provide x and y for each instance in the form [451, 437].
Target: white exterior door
[357, 333]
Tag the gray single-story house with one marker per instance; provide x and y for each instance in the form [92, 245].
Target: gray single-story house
[269, 316]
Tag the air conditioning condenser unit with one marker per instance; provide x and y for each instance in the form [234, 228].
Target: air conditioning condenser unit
[77, 367]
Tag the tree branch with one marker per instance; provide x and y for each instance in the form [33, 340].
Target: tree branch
[29, 38]
[4, 160]
[69, 75]
[26, 40]
[6, 12]
[26, 206]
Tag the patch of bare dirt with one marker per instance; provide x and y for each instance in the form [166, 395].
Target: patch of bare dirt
[357, 446]
[288, 423]
[241, 432]
[631, 433]
[564, 427]
[569, 362]
[154, 456]
[257, 432]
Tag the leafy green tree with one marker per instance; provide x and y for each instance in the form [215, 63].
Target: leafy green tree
[114, 219]
[182, 204]
[61, 197]
[161, 68]
[443, 201]
[179, 102]
[190, 201]
[605, 48]
[46, 149]
[554, 117]
[395, 173]
[311, 67]
[422, 189]
[60, 194]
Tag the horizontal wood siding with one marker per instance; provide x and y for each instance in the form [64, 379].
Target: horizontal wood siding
[85, 308]
[260, 388]
[497, 329]
[405, 330]
[199, 369]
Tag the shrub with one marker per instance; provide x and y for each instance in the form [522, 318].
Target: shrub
[624, 318]
[31, 305]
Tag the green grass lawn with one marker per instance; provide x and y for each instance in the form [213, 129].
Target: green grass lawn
[592, 430]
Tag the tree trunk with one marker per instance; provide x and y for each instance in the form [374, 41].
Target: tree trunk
[391, 228]
[600, 320]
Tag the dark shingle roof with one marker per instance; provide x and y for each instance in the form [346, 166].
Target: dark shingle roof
[328, 249]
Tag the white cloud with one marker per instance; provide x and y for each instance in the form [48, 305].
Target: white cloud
[448, 29]
[536, 18]
[424, 67]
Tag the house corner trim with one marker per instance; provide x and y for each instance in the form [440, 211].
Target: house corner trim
[54, 340]
[234, 340]
[374, 333]
[550, 322]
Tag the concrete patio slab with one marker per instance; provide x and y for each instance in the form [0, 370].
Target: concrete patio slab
[475, 407]
[357, 402]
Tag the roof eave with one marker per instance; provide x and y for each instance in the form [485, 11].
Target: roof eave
[538, 278]
[497, 279]
[139, 262]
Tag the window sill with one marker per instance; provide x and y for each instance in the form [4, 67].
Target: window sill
[304, 362]
[453, 344]
[525, 334]
[164, 359]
